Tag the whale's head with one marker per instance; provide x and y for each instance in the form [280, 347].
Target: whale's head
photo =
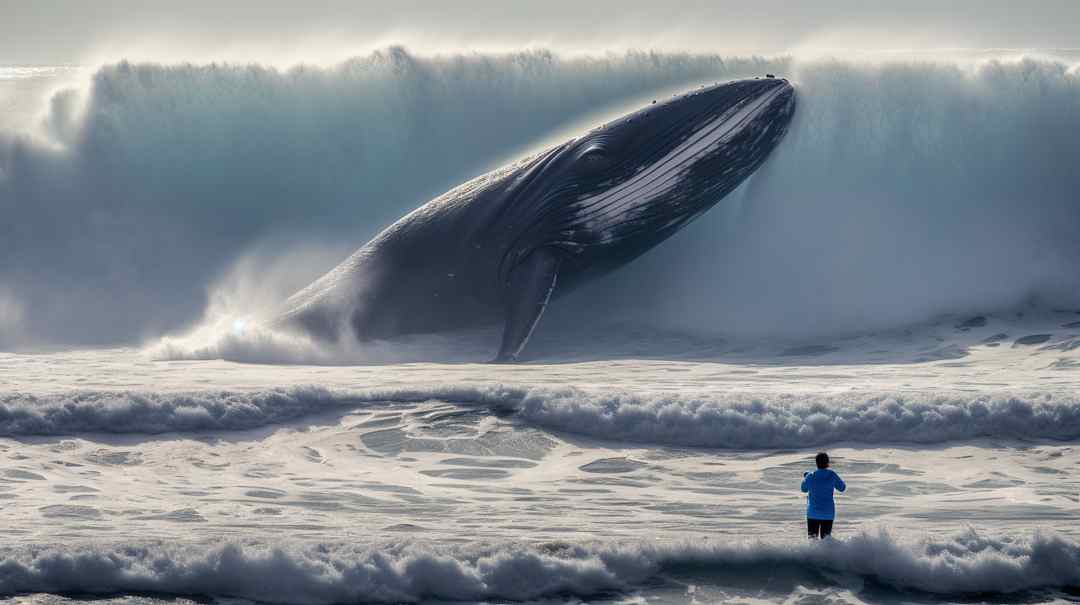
[620, 189]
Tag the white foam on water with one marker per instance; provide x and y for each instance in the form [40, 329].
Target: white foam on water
[966, 564]
[734, 421]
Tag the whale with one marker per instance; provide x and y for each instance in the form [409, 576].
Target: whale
[501, 247]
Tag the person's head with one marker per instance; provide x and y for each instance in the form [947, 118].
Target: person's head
[822, 460]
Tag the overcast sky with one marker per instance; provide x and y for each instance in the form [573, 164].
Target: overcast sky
[84, 31]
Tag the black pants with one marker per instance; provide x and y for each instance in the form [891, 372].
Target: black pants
[814, 526]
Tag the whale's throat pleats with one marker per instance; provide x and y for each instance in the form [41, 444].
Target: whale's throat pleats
[527, 293]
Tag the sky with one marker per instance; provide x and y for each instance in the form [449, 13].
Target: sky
[80, 31]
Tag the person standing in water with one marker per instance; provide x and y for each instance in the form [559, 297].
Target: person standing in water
[819, 485]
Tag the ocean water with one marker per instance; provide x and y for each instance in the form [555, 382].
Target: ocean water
[897, 286]
[626, 480]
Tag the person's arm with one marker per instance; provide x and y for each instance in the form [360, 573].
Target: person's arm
[840, 485]
[805, 487]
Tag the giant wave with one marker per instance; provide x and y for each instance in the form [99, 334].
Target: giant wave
[906, 189]
[734, 420]
[964, 564]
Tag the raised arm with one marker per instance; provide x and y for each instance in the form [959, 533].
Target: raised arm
[805, 488]
[840, 485]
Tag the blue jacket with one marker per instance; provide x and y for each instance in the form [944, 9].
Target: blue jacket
[819, 484]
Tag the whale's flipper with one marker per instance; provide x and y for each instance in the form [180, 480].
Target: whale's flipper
[527, 294]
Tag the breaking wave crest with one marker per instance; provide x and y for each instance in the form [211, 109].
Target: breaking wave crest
[742, 421]
[964, 564]
[907, 188]
[799, 421]
[152, 413]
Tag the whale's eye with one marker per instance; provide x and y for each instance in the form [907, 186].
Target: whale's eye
[593, 157]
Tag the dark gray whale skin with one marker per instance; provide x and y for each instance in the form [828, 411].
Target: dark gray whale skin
[499, 247]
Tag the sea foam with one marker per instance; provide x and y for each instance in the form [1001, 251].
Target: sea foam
[964, 564]
[735, 420]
